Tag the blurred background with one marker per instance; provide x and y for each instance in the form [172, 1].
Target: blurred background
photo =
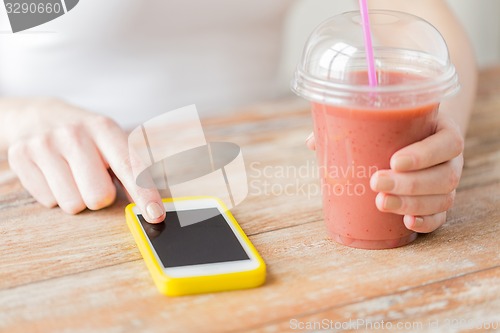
[480, 19]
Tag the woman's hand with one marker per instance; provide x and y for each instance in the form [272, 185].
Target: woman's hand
[423, 178]
[62, 156]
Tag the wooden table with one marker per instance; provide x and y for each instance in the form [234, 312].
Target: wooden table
[62, 273]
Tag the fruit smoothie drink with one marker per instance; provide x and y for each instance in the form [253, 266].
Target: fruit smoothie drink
[351, 145]
[358, 126]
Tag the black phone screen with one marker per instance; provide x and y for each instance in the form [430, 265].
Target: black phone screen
[209, 241]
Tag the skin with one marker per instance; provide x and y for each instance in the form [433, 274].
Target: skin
[69, 157]
[422, 181]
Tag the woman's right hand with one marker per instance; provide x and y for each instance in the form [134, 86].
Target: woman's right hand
[63, 156]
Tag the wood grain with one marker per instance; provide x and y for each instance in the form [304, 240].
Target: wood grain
[432, 307]
[62, 273]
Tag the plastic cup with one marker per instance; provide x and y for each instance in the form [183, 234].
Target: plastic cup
[357, 127]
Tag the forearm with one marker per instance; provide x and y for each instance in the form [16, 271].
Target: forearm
[458, 107]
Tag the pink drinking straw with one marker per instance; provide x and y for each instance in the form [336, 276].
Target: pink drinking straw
[367, 34]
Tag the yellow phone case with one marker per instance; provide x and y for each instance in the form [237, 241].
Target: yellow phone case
[176, 286]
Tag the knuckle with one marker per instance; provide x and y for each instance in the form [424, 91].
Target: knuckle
[70, 137]
[40, 143]
[16, 153]
[102, 199]
[415, 206]
[71, 132]
[406, 205]
[434, 222]
[103, 122]
[73, 207]
[458, 143]
[453, 180]
[412, 186]
[448, 202]
[123, 166]
[460, 162]
[134, 163]
[142, 192]
[419, 160]
[458, 165]
[441, 219]
[47, 202]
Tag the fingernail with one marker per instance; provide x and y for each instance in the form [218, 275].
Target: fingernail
[402, 163]
[413, 222]
[154, 210]
[418, 222]
[383, 183]
[392, 202]
[309, 137]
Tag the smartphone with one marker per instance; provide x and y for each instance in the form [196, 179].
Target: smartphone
[198, 248]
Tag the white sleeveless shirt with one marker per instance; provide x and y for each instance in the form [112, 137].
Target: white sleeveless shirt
[134, 59]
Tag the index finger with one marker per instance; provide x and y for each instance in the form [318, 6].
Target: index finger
[446, 144]
[111, 141]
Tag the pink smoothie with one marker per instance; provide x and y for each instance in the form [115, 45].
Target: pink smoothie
[352, 144]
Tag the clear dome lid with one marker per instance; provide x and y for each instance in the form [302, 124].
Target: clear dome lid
[411, 59]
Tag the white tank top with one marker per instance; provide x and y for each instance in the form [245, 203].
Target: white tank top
[134, 59]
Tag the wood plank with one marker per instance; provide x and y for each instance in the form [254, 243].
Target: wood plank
[39, 243]
[83, 273]
[43, 243]
[109, 233]
[307, 273]
[433, 307]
